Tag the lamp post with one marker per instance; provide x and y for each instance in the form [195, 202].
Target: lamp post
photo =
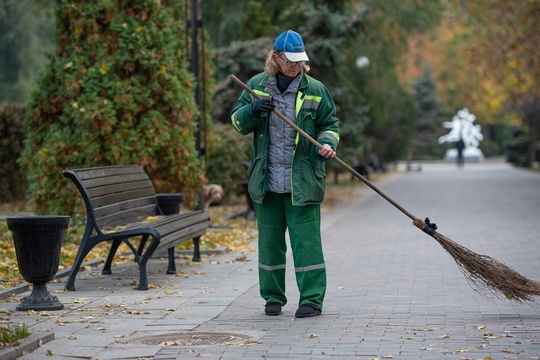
[362, 62]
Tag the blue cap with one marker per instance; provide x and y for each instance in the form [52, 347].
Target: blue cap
[290, 42]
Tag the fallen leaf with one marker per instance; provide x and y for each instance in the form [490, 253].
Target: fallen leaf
[199, 272]
[242, 257]
[171, 343]
[423, 330]
[87, 309]
[81, 300]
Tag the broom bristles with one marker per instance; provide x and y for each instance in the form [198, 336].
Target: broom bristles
[485, 274]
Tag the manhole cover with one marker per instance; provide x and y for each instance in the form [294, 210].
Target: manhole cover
[191, 338]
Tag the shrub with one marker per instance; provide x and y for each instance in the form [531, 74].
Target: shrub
[10, 334]
[225, 164]
[116, 91]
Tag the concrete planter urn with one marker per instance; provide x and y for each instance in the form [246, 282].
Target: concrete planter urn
[38, 241]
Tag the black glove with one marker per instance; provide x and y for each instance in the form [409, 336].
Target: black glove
[262, 105]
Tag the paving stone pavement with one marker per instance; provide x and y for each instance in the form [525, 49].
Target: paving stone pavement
[393, 292]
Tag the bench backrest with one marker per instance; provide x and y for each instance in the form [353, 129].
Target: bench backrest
[114, 194]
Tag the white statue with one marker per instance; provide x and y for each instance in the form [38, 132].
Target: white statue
[462, 127]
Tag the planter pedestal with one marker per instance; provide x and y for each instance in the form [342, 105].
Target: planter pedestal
[38, 241]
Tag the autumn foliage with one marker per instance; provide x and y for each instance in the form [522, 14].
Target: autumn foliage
[117, 91]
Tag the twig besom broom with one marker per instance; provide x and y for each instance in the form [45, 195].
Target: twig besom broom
[485, 274]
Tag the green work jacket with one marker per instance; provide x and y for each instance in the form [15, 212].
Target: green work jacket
[315, 114]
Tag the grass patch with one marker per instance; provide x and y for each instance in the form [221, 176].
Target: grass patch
[12, 333]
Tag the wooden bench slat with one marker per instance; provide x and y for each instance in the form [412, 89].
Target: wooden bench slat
[112, 217]
[105, 171]
[122, 187]
[129, 194]
[183, 235]
[165, 222]
[120, 179]
[113, 207]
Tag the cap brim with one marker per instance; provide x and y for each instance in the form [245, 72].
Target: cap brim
[296, 56]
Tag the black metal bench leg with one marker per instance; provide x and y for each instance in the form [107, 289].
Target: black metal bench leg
[143, 277]
[172, 263]
[81, 254]
[143, 259]
[196, 250]
[108, 263]
[141, 246]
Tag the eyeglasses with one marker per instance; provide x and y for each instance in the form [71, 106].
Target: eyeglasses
[292, 64]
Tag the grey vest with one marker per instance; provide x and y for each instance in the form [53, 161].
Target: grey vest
[282, 137]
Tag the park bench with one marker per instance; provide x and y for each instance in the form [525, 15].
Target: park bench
[122, 206]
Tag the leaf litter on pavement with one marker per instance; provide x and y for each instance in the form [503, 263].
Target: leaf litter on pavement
[233, 235]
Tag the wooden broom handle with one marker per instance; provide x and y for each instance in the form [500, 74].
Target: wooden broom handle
[319, 146]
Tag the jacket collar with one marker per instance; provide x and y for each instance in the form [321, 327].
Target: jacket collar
[303, 82]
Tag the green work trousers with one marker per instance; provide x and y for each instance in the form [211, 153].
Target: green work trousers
[275, 215]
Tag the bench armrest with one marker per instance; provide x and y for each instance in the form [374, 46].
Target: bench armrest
[169, 204]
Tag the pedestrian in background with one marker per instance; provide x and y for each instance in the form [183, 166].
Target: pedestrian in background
[460, 146]
[286, 176]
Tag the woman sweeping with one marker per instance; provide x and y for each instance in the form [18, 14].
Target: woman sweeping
[287, 172]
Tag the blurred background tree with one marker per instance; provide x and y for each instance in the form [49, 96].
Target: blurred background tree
[377, 113]
[431, 115]
[484, 55]
[503, 54]
[396, 68]
[26, 36]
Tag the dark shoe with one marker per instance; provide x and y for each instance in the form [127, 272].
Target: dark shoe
[307, 310]
[272, 308]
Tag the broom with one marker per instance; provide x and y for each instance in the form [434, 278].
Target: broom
[485, 274]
